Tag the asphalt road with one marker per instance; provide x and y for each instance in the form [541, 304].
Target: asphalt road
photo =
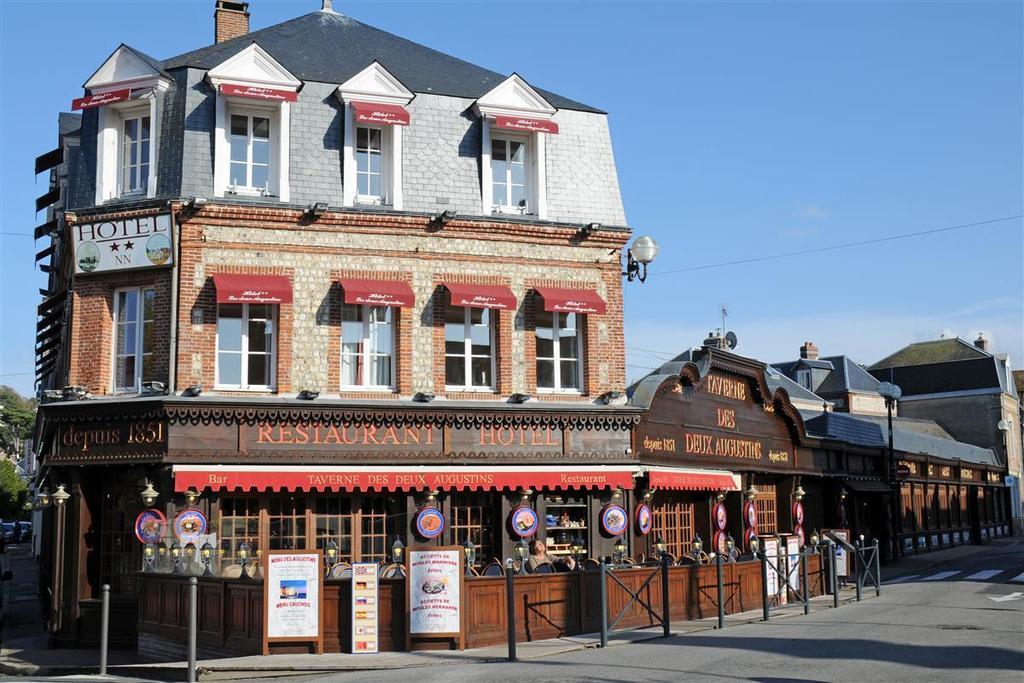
[950, 628]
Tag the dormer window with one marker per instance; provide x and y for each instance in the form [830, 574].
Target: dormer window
[516, 121]
[509, 164]
[375, 114]
[251, 149]
[250, 154]
[135, 148]
[124, 93]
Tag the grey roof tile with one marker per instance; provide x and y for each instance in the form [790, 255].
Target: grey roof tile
[331, 48]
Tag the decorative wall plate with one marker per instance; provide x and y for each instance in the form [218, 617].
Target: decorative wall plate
[524, 521]
[644, 519]
[189, 525]
[720, 516]
[798, 513]
[613, 520]
[429, 522]
[150, 526]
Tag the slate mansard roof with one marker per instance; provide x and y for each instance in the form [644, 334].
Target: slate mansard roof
[329, 47]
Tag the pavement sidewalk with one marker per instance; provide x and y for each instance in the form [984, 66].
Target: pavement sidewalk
[25, 650]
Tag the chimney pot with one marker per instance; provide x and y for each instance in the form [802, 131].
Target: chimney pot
[981, 342]
[809, 351]
[230, 20]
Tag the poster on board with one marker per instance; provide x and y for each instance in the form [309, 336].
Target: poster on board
[793, 553]
[365, 606]
[842, 557]
[770, 544]
[435, 592]
[292, 596]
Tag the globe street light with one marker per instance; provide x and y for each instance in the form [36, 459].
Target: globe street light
[642, 252]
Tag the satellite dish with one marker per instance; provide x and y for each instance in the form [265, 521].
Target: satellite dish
[731, 340]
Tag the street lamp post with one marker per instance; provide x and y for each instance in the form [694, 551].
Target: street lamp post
[59, 498]
[891, 393]
[641, 253]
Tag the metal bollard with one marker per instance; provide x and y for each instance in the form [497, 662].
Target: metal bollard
[104, 628]
[721, 589]
[764, 584]
[878, 572]
[510, 602]
[856, 568]
[603, 571]
[833, 579]
[665, 611]
[803, 571]
[193, 607]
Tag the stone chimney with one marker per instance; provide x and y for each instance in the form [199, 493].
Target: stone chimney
[809, 351]
[716, 341]
[981, 343]
[230, 20]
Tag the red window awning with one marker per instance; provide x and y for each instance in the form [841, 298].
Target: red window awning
[526, 125]
[90, 101]
[252, 289]
[377, 292]
[481, 296]
[571, 300]
[381, 114]
[684, 479]
[398, 478]
[255, 92]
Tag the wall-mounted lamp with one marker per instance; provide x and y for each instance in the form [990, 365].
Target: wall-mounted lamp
[442, 219]
[397, 550]
[60, 496]
[720, 496]
[752, 492]
[799, 493]
[42, 497]
[149, 495]
[587, 230]
[469, 550]
[314, 211]
[206, 554]
[638, 256]
[191, 495]
[524, 496]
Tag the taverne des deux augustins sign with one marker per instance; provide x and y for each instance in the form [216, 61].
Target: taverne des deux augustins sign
[716, 422]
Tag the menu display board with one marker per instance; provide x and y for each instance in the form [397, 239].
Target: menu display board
[365, 608]
[842, 558]
[435, 591]
[771, 550]
[293, 590]
[793, 553]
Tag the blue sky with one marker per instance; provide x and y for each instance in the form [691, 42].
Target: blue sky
[740, 130]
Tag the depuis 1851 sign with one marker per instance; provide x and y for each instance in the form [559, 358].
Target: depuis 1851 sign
[126, 244]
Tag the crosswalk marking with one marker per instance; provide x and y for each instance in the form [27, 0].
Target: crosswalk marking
[900, 579]
[940, 576]
[1017, 579]
[983, 575]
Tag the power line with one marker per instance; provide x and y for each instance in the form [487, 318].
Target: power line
[651, 351]
[17, 234]
[818, 250]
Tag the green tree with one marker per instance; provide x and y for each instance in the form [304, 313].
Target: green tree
[17, 420]
[13, 492]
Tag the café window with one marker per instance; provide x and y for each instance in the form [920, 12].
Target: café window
[367, 346]
[767, 509]
[245, 346]
[473, 517]
[673, 521]
[919, 520]
[287, 523]
[373, 527]
[333, 520]
[469, 348]
[370, 168]
[559, 352]
[135, 146]
[135, 339]
[509, 165]
[908, 508]
[250, 170]
[239, 523]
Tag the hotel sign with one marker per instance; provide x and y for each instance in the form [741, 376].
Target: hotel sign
[126, 244]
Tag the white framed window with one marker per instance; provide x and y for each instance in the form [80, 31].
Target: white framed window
[367, 347]
[135, 148]
[250, 149]
[469, 349]
[134, 338]
[510, 189]
[370, 175]
[246, 346]
[559, 352]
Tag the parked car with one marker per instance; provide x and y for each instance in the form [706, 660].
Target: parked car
[8, 529]
[26, 530]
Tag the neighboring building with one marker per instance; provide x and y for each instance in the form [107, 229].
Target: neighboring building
[845, 384]
[311, 281]
[966, 389]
